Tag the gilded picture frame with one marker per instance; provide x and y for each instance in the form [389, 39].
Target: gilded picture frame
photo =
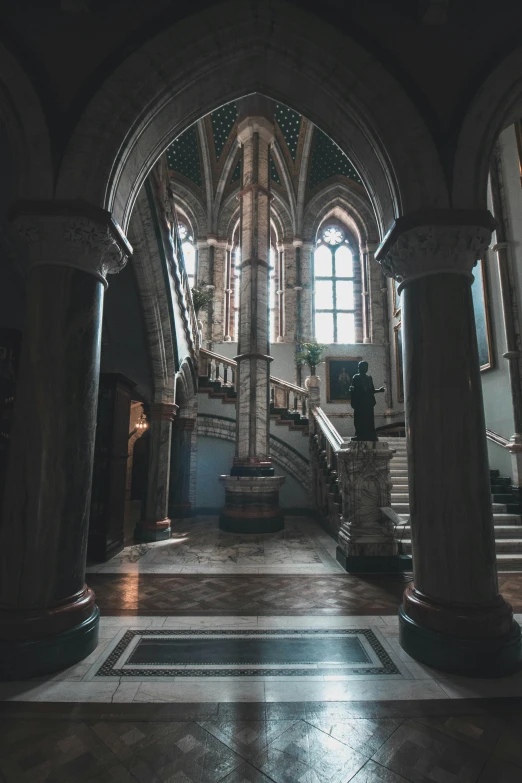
[337, 385]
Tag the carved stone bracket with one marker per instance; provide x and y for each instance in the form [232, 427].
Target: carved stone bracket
[91, 242]
[416, 247]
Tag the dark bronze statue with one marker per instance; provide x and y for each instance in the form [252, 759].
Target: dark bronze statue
[363, 402]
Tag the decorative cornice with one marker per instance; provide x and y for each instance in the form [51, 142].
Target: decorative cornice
[162, 411]
[412, 251]
[71, 234]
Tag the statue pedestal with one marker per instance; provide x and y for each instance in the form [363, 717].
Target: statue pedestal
[366, 538]
[252, 504]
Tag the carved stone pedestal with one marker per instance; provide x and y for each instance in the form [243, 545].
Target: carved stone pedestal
[252, 504]
[366, 538]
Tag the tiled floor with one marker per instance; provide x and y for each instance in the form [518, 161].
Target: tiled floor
[198, 546]
[106, 721]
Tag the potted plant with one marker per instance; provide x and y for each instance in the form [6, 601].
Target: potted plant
[201, 299]
[311, 354]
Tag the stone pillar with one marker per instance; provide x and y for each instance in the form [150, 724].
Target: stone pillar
[291, 292]
[48, 617]
[453, 617]
[156, 525]
[219, 328]
[256, 510]
[366, 538]
[180, 467]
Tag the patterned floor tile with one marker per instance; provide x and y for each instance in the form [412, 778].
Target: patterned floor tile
[424, 755]
[480, 731]
[246, 774]
[497, 771]
[158, 594]
[374, 773]
[62, 754]
[363, 735]
[247, 737]
[308, 755]
[187, 754]
[125, 739]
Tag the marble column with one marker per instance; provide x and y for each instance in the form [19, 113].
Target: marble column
[156, 525]
[48, 616]
[453, 616]
[255, 509]
[180, 467]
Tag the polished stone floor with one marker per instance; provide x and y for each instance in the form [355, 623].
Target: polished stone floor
[197, 546]
[229, 715]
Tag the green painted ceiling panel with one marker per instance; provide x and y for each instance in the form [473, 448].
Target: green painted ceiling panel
[183, 156]
[223, 120]
[274, 174]
[236, 173]
[328, 160]
[290, 123]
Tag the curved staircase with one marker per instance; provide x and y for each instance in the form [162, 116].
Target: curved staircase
[507, 511]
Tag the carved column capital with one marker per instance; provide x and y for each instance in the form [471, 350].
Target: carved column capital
[451, 241]
[65, 234]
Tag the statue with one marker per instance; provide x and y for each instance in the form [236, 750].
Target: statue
[363, 402]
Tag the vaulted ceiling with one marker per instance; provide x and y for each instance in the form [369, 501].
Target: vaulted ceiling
[205, 159]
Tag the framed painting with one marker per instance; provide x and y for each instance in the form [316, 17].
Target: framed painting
[396, 299]
[339, 374]
[398, 362]
[479, 293]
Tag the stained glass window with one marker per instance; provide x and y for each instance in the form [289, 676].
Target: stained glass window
[334, 301]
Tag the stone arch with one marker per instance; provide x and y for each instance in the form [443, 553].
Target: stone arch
[148, 268]
[186, 389]
[496, 104]
[189, 204]
[22, 117]
[186, 71]
[282, 454]
[356, 210]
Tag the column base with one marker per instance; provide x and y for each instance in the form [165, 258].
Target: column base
[251, 504]
[373, 564]
[472, 657]
[148, 532]
[21, 660]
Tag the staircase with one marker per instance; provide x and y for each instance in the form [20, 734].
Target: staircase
[506, 510]
[288, 402]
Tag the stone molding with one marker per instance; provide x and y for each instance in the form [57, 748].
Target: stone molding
[162, 411]
[250, 125]
[92, 243]
[435, 249]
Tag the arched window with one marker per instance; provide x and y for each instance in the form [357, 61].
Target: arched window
[334, 301]
[273, 295]
[189, 253]
[235, 282]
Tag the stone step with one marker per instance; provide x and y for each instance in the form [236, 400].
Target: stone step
[400, 495]
[510, 562]
[503, 546]
[399, 472]
[513, 532]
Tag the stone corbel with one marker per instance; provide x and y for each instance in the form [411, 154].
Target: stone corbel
[71, 234]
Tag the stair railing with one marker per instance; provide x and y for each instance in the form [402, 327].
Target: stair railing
[325, 444]
[218, 368]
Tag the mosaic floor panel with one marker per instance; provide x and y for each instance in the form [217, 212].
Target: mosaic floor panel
[248, 653]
